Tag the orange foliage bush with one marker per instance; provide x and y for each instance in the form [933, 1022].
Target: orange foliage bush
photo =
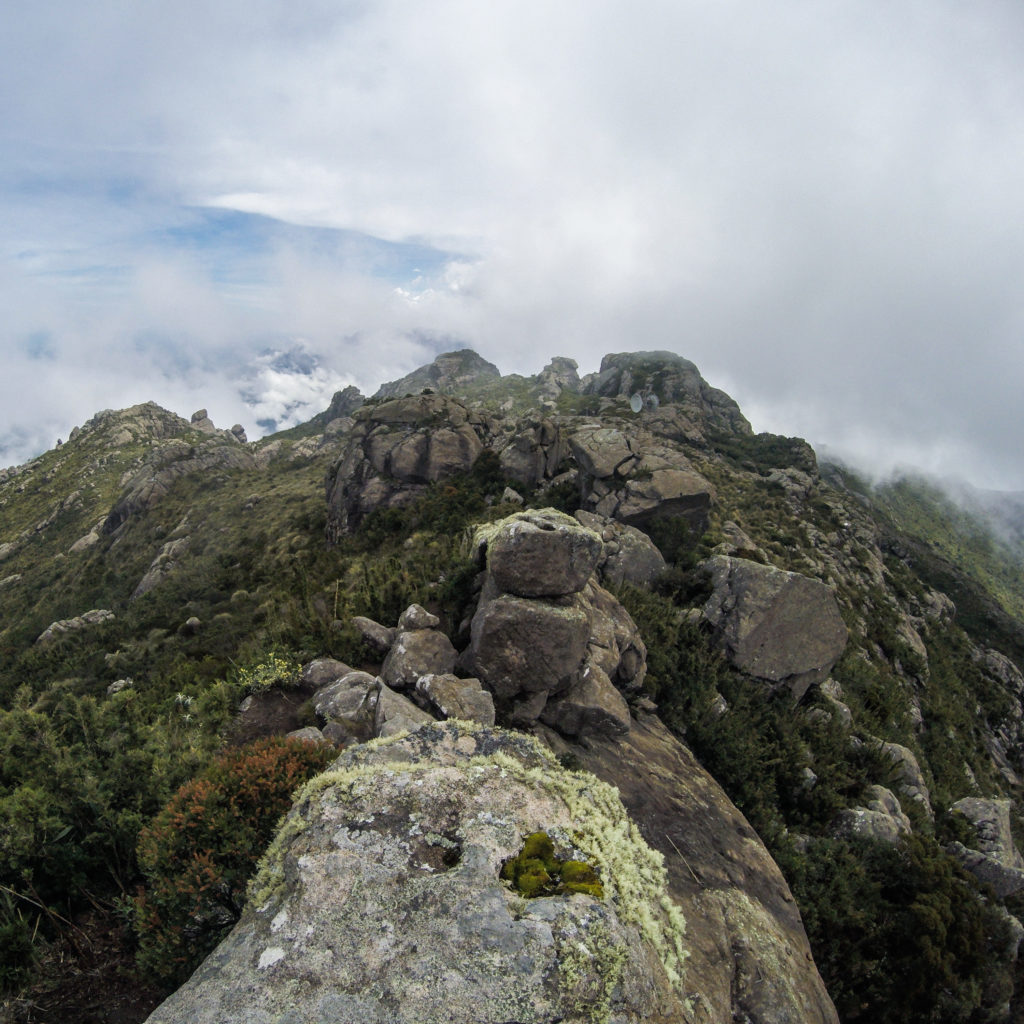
[198, 853]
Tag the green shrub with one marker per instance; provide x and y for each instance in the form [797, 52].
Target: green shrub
[199, 851]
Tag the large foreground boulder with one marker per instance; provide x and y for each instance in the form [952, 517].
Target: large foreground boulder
[381, 900]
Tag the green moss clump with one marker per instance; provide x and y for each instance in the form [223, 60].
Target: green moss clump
[537, 871]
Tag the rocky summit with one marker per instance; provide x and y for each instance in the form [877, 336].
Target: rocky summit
[504, 698]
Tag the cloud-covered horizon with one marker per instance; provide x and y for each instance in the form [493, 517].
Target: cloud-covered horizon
[818, 204]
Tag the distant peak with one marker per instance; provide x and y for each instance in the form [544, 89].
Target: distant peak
[448, 371]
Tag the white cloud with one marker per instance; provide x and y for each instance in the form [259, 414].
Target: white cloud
[817, 203]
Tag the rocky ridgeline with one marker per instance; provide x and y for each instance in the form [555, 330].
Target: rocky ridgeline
[633, 472]
[381, 899]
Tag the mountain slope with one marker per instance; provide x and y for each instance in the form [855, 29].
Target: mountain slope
[843, 661]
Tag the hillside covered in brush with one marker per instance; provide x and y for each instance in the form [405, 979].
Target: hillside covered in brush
[806, 691]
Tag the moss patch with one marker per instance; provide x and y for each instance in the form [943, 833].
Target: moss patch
[538, 871]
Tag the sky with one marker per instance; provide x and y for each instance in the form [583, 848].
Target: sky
[244, 207]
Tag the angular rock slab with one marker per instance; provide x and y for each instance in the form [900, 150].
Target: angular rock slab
[381, 901]
[777, 626]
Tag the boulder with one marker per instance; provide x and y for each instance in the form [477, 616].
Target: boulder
[415, 653]
[396, 714]
[995, 858]
[590, 706]
[348, 708]
[628, 556]
[95, 617]
[417, 617]
[381, 900]
[378, 637]
[779, 627]
[908, 775]
[527, 646]
[323, 671]
[541, 554]
[452, 697]
[882, 819]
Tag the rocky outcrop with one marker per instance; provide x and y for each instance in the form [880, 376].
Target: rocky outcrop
[170, 462]
[551, 645]
[672, 380]
[95, 617]
[448, 372]
[881, 819]
[163, 565]
[381, 900]
[534, 451]
[626, 474]
[558, 376]
[628, 555]
[748, 956]
[779, 627]
[907, 775]
[993, 858]
[394, 450]
[540, 554]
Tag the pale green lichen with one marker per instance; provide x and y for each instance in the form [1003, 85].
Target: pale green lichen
[589, 972]
[633, 875]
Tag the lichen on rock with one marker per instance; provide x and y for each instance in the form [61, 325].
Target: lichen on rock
[381, 895]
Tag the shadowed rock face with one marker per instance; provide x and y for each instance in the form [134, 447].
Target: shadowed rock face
[382, 901]
[749, 959]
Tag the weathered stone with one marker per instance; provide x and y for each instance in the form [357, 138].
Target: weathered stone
[381, 900]
[396, 713]
[448, 371]
[163, 565]
[590, 706]
[777, 626]
[541, 554]
[350, 706]
[118, 685]
[908, 775]
[749, 959]
[378, 637]
[671, 379]
[453, 697]
[308, 734]
[882, 819]
[415, 653]
[629, 555]
[995, 859]
[90, 618]
[417, 617]
[323, 671]
[523, 646]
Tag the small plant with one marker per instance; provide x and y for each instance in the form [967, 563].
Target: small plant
[537, 871]
[275, 670]
[199, 851]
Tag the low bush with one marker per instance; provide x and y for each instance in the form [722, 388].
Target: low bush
[199, 851]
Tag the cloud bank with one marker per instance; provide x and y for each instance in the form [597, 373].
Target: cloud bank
[816, 203]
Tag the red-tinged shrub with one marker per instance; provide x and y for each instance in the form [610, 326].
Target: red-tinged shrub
[198, 853]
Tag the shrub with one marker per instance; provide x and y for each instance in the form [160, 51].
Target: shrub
[199, 851]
